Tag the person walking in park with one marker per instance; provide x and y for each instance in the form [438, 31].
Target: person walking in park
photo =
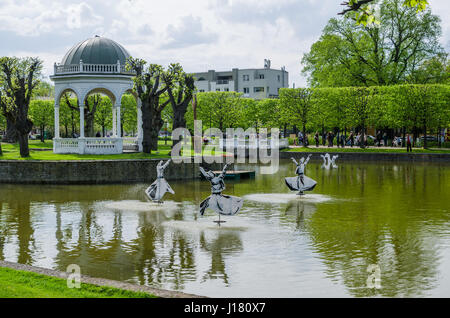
[379, 138]
[324, 138]
[385, 139]
[408, 143]
[342, 141]
[316, 138]
[300, 139]
[352, 139]
[330, 139]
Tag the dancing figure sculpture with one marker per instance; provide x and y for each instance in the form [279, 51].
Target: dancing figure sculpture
[156, 191]
[301, 183]
[333, 161]
[326, 161]
[220, 203]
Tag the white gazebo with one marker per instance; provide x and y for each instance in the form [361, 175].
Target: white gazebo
[96, 65]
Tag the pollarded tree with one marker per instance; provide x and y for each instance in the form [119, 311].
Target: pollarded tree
[18, 78]
[296, 105]
[180, 96]
[42, 114]
[150, 83]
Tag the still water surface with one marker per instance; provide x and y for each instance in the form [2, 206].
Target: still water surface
[395, 216]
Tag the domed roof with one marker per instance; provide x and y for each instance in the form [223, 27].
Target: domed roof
[96, 50]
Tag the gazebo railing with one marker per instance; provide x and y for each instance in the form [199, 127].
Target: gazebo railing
[92, 146]
[92, 68]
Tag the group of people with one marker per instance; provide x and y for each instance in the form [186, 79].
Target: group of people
[341, 141]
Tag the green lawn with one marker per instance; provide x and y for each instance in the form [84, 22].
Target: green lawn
[370, 149]
[11, 152]
[21, 284]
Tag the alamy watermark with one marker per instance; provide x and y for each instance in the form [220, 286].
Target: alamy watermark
[74, 278]
[240, 146]
[374, 278]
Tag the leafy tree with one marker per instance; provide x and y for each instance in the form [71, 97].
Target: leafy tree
[69, 117]
[360, 108]
[18, 78]
[296, 104]
[103, 115]
[180, 95]
[44, 90]
[219, 109]
[150, 83]
[90, 107]
[385, 54]
[128, 114]
[363, 13]
[42, 114]
[433, 71]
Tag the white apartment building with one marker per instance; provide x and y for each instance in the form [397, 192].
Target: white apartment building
[253, 83]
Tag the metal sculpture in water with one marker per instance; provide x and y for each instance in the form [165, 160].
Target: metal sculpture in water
[156, 191]
[326, 161]
[220, 203]
[301, 183]
[333, 161]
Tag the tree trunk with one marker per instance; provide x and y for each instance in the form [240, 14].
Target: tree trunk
[363, 134]
[151, 125]
[425, 144]
[11, 134]
[23, 144]
[103, 131]
[42, 133]
[305, 141]
[404, 137]
[89, 125]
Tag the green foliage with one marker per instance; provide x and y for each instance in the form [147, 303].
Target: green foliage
[21, 284]
[42, 114]
[385, 54]
[296, 105]
[363, 11]
[217, 109]
[129, 114]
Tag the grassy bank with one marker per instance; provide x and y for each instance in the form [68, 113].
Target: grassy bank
[367, 150]
[44, 152]
[21, 284]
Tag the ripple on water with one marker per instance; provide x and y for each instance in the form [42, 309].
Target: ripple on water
[279, 198]
[139, 206]
[233, 223]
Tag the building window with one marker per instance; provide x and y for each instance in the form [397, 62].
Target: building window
[246, 90]
[246, 78]
[226, 89]
[279, 78]
[261, 76]
[258, 89]
[202, 91]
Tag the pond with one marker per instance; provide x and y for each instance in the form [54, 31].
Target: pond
[394, 216]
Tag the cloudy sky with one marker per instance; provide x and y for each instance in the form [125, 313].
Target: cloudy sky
[200, 34]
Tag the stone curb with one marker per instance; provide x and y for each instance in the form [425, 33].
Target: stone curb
[99, 281]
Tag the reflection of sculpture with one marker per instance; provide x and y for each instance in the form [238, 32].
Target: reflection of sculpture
[222, 204]
[301, 183]
[158, 188]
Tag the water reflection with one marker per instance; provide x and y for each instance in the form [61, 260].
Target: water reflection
[392, 215]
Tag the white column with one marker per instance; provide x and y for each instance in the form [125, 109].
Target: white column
[114, 120]
[56, 120]
[139, 124]
[82, 121]
[119, 130]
